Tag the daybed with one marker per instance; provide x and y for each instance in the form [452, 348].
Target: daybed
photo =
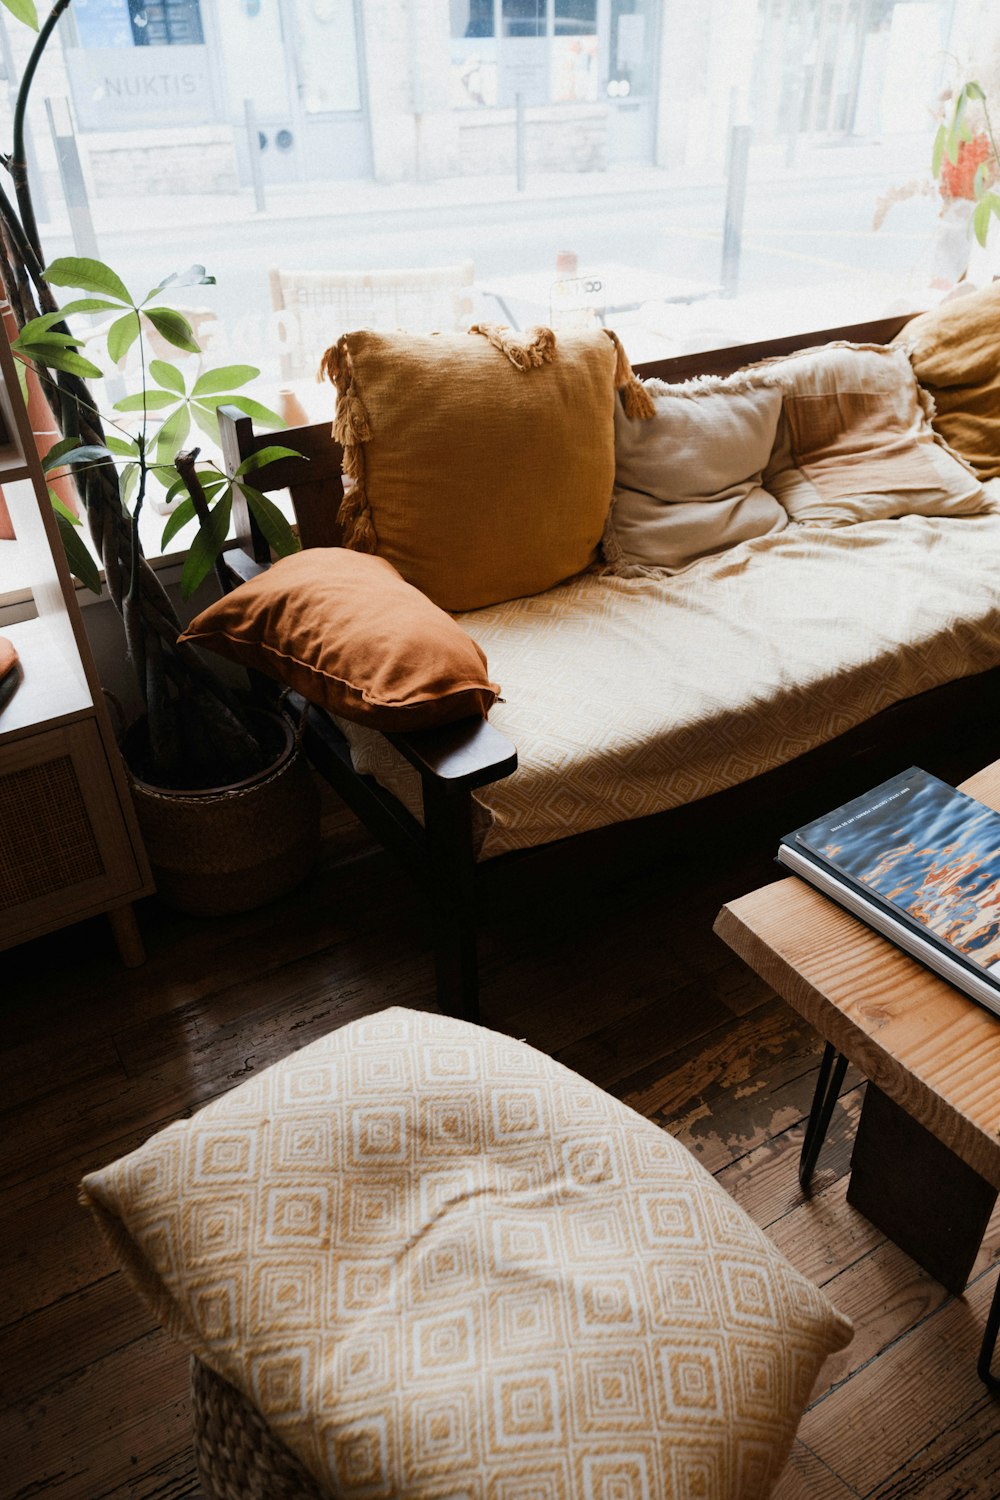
[629, 691]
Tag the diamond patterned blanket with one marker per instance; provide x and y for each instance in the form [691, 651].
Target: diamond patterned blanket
[628, 696]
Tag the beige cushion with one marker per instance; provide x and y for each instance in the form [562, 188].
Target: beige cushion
[441, 1264]
[953, 349]
[482, 475]
[855, 442]
[688, 482]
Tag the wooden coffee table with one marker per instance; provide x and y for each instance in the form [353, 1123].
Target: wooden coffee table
[926, 1162]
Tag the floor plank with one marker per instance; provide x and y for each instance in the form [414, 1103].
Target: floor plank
[615, 972]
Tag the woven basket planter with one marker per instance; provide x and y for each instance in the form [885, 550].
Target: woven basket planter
[238, 1456]
[230, 849]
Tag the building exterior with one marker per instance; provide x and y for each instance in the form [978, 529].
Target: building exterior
[198, 95]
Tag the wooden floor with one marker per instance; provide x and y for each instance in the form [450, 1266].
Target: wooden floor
[616, 974]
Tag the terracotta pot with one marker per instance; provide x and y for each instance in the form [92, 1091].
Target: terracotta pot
[229, 849]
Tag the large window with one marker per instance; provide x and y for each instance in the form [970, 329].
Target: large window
[545, 51]
[138, 23]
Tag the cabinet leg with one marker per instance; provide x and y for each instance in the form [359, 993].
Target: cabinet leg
[128, 939]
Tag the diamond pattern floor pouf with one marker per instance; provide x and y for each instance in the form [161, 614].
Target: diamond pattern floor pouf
[439, 1264]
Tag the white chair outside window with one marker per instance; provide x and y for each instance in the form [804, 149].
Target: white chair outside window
[313, 308]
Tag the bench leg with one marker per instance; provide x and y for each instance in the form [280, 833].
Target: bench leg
[828, 1082]
[448, 826]
[917, 1191]
[992, 1329]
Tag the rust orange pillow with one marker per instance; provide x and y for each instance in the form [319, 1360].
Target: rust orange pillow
[348, 633]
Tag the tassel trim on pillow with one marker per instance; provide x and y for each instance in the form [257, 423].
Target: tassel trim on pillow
[526, 351]
[351, 428]
[638, 402]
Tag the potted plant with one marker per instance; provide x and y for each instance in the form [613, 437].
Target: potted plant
[203, 760]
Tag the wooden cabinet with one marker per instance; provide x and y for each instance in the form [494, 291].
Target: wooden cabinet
[69, 843]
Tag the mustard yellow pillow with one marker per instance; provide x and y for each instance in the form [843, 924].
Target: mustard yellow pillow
[955, 355]
[482, 463]
[348, 633]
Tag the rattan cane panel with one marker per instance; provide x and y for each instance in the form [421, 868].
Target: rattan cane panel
[47, 842]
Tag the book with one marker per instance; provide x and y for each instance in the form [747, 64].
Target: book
[919, 861]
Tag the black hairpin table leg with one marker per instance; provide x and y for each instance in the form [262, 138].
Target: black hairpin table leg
[989, 1344]
[831, 1076]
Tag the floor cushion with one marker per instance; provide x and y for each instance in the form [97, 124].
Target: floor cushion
[441, 1264]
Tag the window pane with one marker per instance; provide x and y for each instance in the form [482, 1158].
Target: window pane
[576, 17]
[327, 51]
[471, 18]
[168, 23]
[631, 57]
[524, 17]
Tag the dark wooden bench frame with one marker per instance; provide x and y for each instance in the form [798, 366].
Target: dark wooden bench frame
[457, 759]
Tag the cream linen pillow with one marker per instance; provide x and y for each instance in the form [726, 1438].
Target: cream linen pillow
[441, 1264]
[482, 463]
[688, 481]
[855, 442]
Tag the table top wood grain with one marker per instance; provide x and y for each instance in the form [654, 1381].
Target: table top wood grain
[925, 1044]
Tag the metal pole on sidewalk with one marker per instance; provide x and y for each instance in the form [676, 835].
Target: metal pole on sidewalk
[736, 193]
[519, 139]
[71, 176]
[253, 150]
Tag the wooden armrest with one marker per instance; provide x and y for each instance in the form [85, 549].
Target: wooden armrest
[459, 756]
[466, 754]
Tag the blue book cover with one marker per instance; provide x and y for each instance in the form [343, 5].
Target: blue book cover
[927, 854]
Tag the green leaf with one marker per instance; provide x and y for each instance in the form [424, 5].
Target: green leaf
[122, 335]
[89, 276]
[206, 420]
[174, 327]
[206, 546]
[249, 407]
[266, 456]
[23, 10]
[151, 400]
[22, 379]
[167, 375]
[952, 144]
[193, 276]
[81, 563]
[981, 218]
[225, 378]
[122, 447]
[46, 339]
[177, 520]
[974, 90]
[54, 457]
[68, 360]
[83, 453]
[61, 509]
[172, 435]
[128, 483]
[210, 479]
[39, 325]
[937, 155]
[277, 531]
[980, 181]
[89, 305]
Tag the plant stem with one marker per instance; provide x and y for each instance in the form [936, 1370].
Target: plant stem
[184, 463]
[18, 164]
